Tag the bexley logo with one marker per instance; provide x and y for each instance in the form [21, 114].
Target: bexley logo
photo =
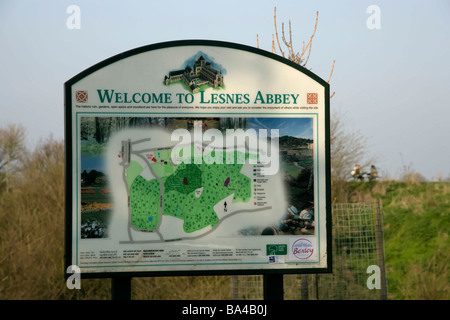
[81, 96]
[302, 249]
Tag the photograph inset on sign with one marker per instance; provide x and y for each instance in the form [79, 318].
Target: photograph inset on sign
[296, 149]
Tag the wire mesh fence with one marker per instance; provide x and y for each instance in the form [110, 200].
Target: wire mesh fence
[358, 262]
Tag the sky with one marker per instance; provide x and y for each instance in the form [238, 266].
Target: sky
[294, 127]
[390, 78]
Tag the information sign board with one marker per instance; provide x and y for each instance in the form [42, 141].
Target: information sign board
[197, 157]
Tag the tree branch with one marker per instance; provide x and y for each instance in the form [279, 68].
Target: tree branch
[310, 41]
[276, 30]
[332, 68]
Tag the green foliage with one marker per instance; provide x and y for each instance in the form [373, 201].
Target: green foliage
[92, 148]
[416, 222]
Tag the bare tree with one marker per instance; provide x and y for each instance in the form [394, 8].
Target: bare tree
[291, 53]
[347, 147]
[12, 148]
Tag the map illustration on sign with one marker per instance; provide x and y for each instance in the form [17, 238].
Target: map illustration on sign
[188, 192]
[177, 184]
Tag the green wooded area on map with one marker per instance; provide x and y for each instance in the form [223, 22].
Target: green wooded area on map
[190, 191]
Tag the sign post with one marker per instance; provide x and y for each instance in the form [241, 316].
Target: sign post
[273, 287]
[121, 288]
[197, 158]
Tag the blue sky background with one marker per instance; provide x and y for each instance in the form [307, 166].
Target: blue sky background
[391, 83]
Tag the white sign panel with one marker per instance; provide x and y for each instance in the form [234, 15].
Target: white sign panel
[197, 157]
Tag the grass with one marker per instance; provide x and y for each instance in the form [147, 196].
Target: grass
[416, 218]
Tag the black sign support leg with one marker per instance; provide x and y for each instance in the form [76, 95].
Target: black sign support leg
[121, 288]
[273, 287]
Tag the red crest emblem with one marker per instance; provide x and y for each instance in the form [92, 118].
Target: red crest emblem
[81, 96]
[312, 98]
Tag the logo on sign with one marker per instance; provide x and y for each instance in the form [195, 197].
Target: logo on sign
[312, 98]
[198, 73]
[302, 249]
[81, 96]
